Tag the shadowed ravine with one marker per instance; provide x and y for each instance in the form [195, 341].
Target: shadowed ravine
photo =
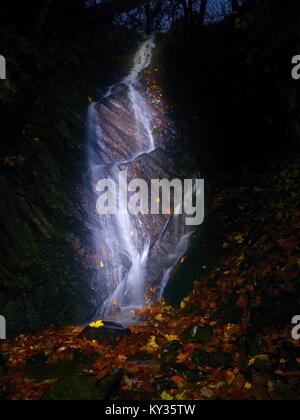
[134, 253]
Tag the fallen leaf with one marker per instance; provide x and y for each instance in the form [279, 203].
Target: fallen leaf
[207, 393]
[97, 324]
[152, 345]
[248, 385]
[260, 357]
[171, 337]
[239, 239]
[179, 380]
[166, 396]
[182, 358]
[181, 396]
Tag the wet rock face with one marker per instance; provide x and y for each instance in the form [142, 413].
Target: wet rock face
[122, 137]
[47, 269]
[121, 142]
[44, 276]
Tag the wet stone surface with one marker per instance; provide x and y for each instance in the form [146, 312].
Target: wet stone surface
[109, 334]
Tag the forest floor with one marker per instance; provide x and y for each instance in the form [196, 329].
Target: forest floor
[231, 338]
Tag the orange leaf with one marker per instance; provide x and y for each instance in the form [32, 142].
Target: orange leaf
[177, 379]
[182, 358]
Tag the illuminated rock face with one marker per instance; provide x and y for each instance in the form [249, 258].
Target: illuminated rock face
[122, 136]
[129, 131]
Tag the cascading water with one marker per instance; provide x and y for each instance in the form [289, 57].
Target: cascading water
[141, 110]
[120, 137]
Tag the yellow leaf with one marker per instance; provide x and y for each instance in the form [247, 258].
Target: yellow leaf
[159, 318]
[260, 357]
[166, 396]
[239, 239]
[97, 324]
[181, 396]
[171, 337]
[248, 385]
[251, 361]
[207, 393]
[184, 302]
[152, 344]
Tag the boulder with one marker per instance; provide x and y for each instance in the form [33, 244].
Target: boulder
[109, 334]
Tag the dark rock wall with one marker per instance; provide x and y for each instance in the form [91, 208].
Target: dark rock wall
[45, 271]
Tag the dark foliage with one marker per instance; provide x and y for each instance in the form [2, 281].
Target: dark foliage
[233, 84]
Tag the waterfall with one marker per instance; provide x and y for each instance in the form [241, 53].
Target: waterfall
[123, 242]
[141, 110]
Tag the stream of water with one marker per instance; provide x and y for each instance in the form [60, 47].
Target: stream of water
[124, 251]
